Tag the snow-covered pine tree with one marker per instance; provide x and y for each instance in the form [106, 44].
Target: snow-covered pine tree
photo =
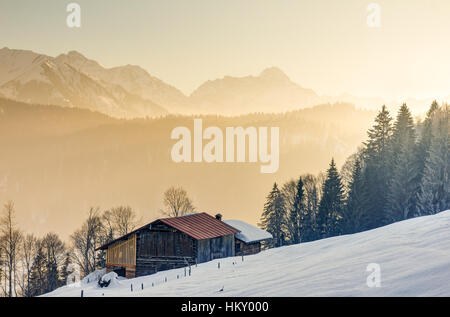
[355, 215]
[331, 204]
[434, 194]
[426, 135]
[273, 218]
[403, 185]
[377, 168]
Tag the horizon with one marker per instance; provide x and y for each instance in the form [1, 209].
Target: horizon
[296, 37]
[392, 105]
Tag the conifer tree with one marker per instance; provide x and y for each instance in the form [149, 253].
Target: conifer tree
[331, 203]
[355, 215]
[404, 182]
[273, 217]
[434, 194]
[377, 168]
[426, 137]
[38, 280]
[423, 149]
[311, 193]
[296, 213]
[65, 269]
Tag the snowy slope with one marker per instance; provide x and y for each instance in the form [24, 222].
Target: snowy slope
[248, 233]
[414, 257]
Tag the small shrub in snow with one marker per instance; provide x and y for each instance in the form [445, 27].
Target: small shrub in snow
[107, 279]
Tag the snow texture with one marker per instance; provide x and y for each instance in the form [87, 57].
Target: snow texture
[413, 256]
[248, 233]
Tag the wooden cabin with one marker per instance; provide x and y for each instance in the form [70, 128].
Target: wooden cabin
[170, 243]
[249, 238]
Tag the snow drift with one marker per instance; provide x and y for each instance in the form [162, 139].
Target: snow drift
[413, 255]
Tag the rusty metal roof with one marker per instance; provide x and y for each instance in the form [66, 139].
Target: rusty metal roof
[200, 226]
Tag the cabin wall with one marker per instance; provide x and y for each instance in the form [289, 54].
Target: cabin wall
[122, 255]
[243, 248]
[163, 248]
[210, 249]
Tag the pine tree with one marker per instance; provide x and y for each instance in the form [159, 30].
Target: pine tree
[377, 168]
[65, 269]
[403, 187]
[355, 215]
[434, 194]
[296, 213]
[38, 280]
[331, 203]
[307, 224]
[273, 217]
[423, 149]
[289, 191]
[404, 182]
[308, 227]
[426, 136]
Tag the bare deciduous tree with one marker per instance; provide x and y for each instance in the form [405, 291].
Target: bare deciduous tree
[11, 238]
[120, 220]
[176, 202]
[29, 250]
[85, 241]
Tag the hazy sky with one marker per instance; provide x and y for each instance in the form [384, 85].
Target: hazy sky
[325, 45]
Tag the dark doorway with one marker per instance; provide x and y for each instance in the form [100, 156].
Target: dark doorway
[119, 270]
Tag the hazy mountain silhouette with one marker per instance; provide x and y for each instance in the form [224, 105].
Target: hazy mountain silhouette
[71, 81]
[129, 91]
[57, 162]
[271, 91]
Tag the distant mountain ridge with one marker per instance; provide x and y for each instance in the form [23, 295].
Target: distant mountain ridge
[72, 80]
[271, 91]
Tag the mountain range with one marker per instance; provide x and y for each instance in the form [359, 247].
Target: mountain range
[72, 80]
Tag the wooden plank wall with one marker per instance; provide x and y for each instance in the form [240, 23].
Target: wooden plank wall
[247, 249]
[163, 248]
[210, 249]
[122, 253]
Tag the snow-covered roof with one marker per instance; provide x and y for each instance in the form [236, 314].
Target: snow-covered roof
[248, 232]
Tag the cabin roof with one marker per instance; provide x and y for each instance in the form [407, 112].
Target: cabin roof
[199, 226]
[248, 233]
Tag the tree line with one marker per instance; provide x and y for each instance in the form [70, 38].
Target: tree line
[400, 172]
[32, 266]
